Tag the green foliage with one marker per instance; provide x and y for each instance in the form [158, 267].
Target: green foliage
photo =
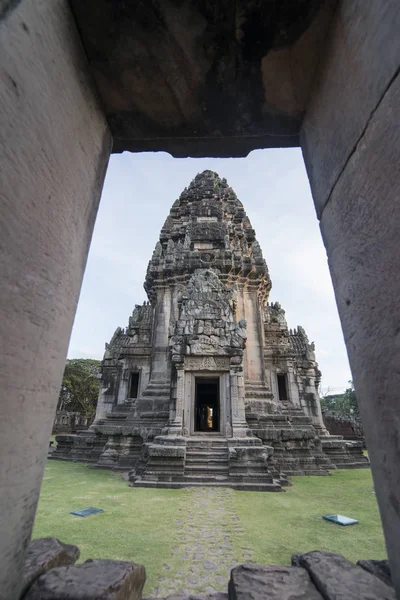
[80, 386]
[342, 405]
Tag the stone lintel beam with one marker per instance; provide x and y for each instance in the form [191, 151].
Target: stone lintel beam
[210, 78]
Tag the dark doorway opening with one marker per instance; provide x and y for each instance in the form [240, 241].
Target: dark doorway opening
[282, 387]
[134, 385]
[207, 404]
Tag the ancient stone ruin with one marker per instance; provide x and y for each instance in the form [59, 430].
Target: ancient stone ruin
[207, 385]
[69, 422]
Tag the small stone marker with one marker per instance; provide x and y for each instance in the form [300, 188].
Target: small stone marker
[86, 512]
[340, 519]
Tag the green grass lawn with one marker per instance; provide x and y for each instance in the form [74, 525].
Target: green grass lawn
[140, 524]
[280, 525]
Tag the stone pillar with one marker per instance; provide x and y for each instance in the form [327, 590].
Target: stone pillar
[160, 359]
[254, 365]
[54, 146]
[176, 420]
[124, 383]
[236, 384]
[351, 146]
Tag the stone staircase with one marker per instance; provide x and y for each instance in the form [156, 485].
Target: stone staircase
[291, 433]
[206, 460]
[344, 454]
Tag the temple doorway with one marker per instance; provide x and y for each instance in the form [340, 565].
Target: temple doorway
[207, 404]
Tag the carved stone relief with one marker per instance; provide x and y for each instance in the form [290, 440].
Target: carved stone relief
[206, 363]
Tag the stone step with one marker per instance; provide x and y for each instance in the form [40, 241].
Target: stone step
[115, 416]
[206, 451]
[215, 468]
[223, 461]
[205, 478]
[249, 487]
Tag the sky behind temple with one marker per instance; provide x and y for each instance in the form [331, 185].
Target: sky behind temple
[272, 185]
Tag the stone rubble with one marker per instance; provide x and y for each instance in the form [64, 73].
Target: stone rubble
[313, 576]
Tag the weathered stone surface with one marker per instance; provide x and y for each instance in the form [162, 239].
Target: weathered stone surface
[379, 568]
[216, 596]
[242, 71]
[360, 226]
[92, 580]
[260, 582]
[54, 148]
[45, 554]
[362, 57]
[339, 579]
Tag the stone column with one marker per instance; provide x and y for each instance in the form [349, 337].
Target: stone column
[176, 422]
[254, 365]
[351, 147]
[236, 382]
[54, 147]
[160, 368]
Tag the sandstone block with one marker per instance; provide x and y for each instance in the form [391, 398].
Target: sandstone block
[45, 554]
[339, 579]
[271, 583]
[379, 568]
[92, 580]
[216, 596]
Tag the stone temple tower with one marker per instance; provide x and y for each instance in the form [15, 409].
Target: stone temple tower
[207, 385]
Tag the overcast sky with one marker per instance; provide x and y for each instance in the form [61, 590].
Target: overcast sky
[272, 185]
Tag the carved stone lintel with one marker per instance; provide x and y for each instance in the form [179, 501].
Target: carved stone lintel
[206, 363]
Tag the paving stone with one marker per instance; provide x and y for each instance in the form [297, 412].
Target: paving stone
[210, 566]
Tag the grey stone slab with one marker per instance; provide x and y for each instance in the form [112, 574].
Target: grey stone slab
[44, 187]
[92, 580]
[260, 582]
[363, 55]
[339, 579]
[360, 226]
[45, 554]
[213, 596]
[379, 568]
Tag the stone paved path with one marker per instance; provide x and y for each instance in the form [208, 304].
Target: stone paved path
[205, 554]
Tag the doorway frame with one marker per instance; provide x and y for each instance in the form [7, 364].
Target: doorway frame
[190, 401]
[217, 380]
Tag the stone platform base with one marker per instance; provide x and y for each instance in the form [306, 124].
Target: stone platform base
[243, 487]
[241, 463]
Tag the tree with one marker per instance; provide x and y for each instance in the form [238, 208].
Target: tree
[343, 405]
[80, 386]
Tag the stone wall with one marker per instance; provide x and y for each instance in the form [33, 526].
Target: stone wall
[350, 429]
[70, 422]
